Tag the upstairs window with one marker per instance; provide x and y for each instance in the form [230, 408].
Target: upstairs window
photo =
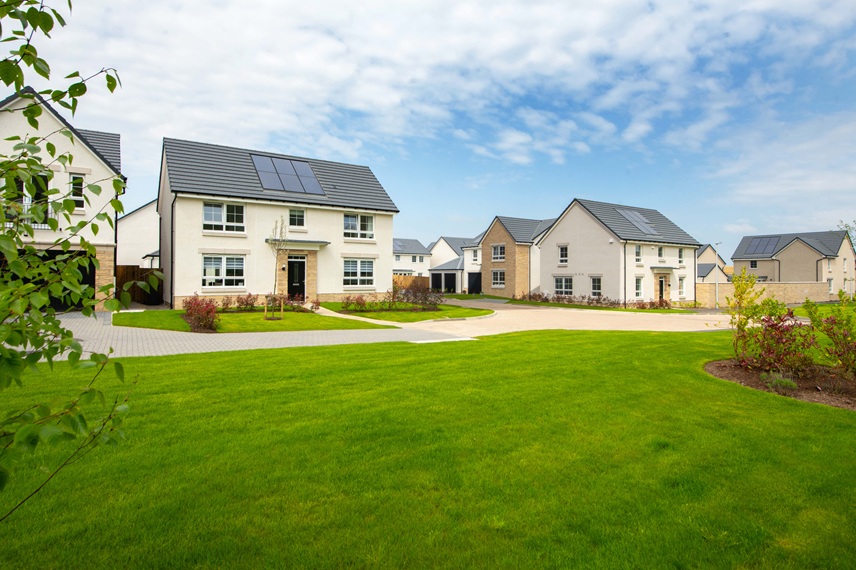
[359, 226]
[498, 253]
[638, 254]
[753, 264]
[563, 254]
[680, 255]
[297, 218]
[223, 217]
[660, 252]
[412, 259]
[475, 255]
[77, 185]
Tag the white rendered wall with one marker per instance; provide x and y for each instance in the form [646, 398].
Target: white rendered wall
[138, 235]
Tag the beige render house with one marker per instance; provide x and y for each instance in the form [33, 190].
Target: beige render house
[621, 252]
[809, 257]
[710, 267]
[96, 160]
[218, 207]
[510, 257]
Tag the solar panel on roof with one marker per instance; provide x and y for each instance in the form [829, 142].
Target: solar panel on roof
[638, 220]
[288, 175]
[771, 245]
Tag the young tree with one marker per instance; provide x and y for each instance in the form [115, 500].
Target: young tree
[32, 277]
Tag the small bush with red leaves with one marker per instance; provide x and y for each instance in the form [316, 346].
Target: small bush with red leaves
[246, 302]
[783, 344]
[201, 313]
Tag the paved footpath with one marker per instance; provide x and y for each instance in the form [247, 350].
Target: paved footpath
[98, 334]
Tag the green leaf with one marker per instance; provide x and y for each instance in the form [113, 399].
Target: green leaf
[42, 68]
[51, 433]
[119, 370]
[77, 89]
[111, 83]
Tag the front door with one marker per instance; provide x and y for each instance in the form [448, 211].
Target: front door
[297, 275]
[663, 287]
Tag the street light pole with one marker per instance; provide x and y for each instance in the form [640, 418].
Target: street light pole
[716, 274]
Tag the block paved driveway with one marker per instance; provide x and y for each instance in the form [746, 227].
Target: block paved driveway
[98, 334]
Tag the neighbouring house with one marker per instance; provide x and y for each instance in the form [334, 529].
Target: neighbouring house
[510, 256]
[410, 257]
[96, 160]
[472, 276]
[237, 221]
[446, 249]
[138, 236]
[625, 253]
[710, 267]
[799, 258]
[448, 272]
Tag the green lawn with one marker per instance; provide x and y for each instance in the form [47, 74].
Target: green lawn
[825, 309]
[405, 316]
[241, 322]
[542, 449]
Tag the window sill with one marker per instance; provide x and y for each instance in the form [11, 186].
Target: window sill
[498, 260]
[218, 290]
[359, 240]
[565, 264]
[298, 229]
[359, 287]
[640, 264]
[497, 286]
[215, 233]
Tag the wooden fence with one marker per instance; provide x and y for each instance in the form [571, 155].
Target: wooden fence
[404, 281]
[131, 273]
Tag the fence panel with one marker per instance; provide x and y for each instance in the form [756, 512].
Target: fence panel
[404, 281]
[130, 273]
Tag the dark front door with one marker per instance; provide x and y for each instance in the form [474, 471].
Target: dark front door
[663, 286]
[437, 281]
[474, 283]
[297, 277]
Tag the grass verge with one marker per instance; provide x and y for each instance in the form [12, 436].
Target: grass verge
[241, 322]
[553, 448]
[597, 308]
[406, 316]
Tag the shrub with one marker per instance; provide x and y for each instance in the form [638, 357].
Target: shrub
[246, 302]
[783, 344]
[201, 313]
[779, 384]
[743, 307]
[316, 304]
[840, 328]
[226, 303]
[422, 296]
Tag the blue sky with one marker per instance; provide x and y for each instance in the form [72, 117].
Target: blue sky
[730, 117]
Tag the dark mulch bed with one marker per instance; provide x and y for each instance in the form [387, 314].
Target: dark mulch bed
[820, 384]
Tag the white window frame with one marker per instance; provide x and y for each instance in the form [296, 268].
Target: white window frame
[829, 264]
[680, 255]
[597, 291]
[359, 226]
[638, 253]
[640, 291]
[412, 259]
[219, 218]
[358, 272]
[661, 252]
[77, 184]
[753, 264]
[497, 252]
[563, 285]
[398, 258]
[497, 277]
[831, 284]
[563, 254]
[475, 255]
[221, 278]
[681, 290]
[294, 213]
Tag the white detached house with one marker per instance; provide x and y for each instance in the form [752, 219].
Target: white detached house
[625, 253]
[219, 206]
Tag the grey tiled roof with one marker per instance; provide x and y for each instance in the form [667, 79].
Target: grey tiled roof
[826, 243]
[108, 144]
[456, 264]
[208, 169]
[524, 230]
[665, 230]
[704, 269]
[104, 145]
[409, 247]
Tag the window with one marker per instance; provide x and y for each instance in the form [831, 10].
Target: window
[212, 217]
[359, 226]
[564, 286]
[844, 265]
[660, 252]
[563, 254]
[498, 254]
[753, 264]
[680, 255]
[359, 272]
[77, 186]
[638, 286]
[421, 259]
[475, 255]
[638, 254]
[681, 291]
[831, 287]
[412, 259]
[498, 278]
[222, 271]
[595, 287]
[398, 258]
[297, 218]
[829, 265]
